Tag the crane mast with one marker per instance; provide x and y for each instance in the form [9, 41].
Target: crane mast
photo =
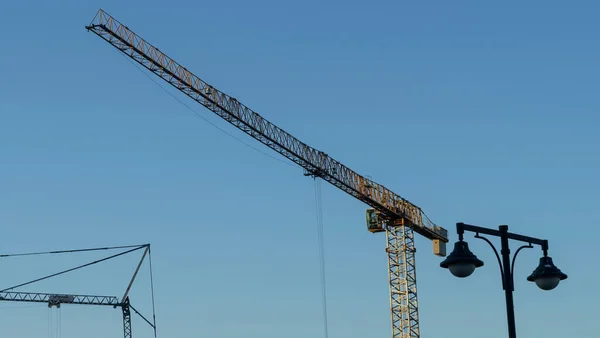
[389, 212]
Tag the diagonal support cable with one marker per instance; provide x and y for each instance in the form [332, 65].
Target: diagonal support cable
[72, 269]
[142, 316]
[137, 269]
[70, 251]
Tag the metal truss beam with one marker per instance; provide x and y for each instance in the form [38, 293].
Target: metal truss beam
[126, 318]
[403, 281]
[231, 110]
[57, 299]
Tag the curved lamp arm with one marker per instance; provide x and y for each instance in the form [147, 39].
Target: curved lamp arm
[495, 252]
[512, 265]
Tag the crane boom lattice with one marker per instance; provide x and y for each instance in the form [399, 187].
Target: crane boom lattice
[403, 281]
[395, 214]
[55, 299]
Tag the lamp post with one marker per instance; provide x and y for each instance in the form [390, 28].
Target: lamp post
[462, 262]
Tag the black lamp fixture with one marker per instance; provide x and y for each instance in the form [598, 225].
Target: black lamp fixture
[546, 276]
[462, 263]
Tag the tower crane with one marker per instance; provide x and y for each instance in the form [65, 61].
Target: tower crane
[388, 212]
[55, 299]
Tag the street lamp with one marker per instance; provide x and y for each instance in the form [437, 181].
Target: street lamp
[462, 263]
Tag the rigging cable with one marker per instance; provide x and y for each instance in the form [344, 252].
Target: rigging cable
[205, 119]
[319, 212]
[75, 268]
[152, 291]
[68, 251]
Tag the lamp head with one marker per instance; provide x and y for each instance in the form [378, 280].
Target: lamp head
[546, 276]
[461, 262]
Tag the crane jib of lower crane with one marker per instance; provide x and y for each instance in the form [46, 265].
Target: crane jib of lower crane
[59, 298]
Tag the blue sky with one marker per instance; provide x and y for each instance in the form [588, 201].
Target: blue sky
[477, 112]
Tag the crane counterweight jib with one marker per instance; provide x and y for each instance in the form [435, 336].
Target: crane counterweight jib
[391, 205]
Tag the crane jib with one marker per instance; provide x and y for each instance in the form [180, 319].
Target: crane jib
[56, 299]
[234, 112]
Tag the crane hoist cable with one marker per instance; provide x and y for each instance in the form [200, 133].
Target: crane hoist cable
[321, 245]
[59, 323]
[54, 322]
[49, 323]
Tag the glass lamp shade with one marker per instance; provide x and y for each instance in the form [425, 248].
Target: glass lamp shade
[547, 283]
[461, 270]
[461, 262]
[546, 276]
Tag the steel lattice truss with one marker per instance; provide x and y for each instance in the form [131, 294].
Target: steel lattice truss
[403, 281]
[55, 299]
[126, 319]
[230, 109]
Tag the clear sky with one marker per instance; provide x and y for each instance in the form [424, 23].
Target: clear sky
[480, 112]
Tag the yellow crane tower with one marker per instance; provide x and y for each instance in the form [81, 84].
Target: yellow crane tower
[389, 212]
